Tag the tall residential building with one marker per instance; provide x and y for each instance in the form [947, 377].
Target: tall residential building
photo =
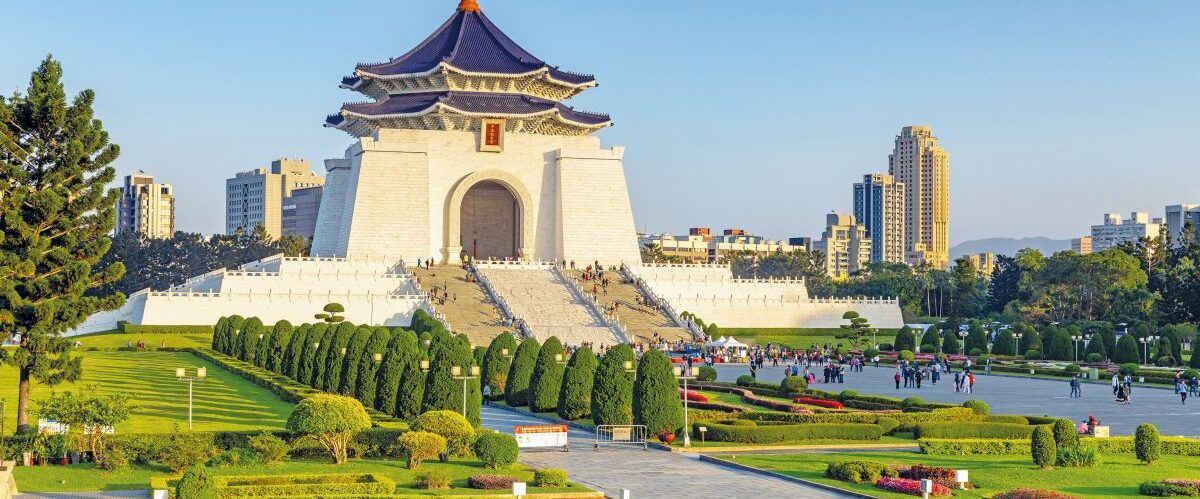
[146, 207]
[845, 244]
[924, 167]
[879, 207]
[1115, 231]
[256, 197]
[985, 263]
[1177, 217]
[1082, 245]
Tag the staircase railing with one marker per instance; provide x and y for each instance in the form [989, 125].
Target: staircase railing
[665, 305]
[522, 327]
[427, 302]
[612, 322]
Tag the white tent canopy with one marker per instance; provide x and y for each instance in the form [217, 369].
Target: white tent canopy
[732, 342]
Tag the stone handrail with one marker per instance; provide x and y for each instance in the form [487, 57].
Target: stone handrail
[780, 300]
[485, 283]
[203, 294]
[685, 265]
[611, 322]
[640, 284]
[511, 264]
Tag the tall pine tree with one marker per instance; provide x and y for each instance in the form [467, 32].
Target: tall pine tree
[55, 216]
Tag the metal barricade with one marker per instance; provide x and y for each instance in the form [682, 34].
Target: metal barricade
[621, 435]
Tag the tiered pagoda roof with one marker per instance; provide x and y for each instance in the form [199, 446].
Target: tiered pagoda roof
[466, 71]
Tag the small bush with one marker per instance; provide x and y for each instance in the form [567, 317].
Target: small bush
[1033, 355]
[1077, 456]
[550, 477]
[979, 407]
[1168, 488]
[196, 484]
[1065, 434]
[1041, 446]
[911, 402]
[432, 480]
[1073, 369]
[939, 474]
[1146, 444]
[419, 446]
[707, 373]
[1129, 368]
[859, 471]
[1094, 357]
[496, 450]
[452, 426]
[870, 353]
[115, 459]
[492, 482]
[745, 380]
[793, 384]
[976, 352]
[185, 450]
[906, 355]
[886, 347]
[270, 448]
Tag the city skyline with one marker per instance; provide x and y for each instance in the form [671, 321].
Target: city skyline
[1047, 102]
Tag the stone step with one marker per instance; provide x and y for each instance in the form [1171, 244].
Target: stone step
[549, 306]
[643, 322]
[467, 308]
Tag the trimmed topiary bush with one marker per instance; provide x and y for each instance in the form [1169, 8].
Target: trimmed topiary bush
[745, 380]
[411, 393]
[1065, 434]
[1146, 444]
[707, 373]
[793, 384]
[496, 363]
[516, 388]
[420, 446]
[911, 402]
[442, 391]
[612, 388]
[330, 378]
[1033, 355]
[331, 420]
[457, 431]
[492, 482]
[1073, 369]
[432, 480]
[1129, 368]
[979, 407]
[575, 396]
[656, 401]
[550, 477]
[906, 355]
[546, 383]
[368, 368]
[859, 471]
[277, 349]
[246, 343]
[1042, 448]
[495, 450]
[196, 484]
[401, 351]
[355, 351]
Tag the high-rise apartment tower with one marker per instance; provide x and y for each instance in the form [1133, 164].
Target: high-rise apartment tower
[924, 167]
[879, 206]
[146, 207]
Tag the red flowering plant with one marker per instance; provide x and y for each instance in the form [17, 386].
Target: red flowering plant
[828, 404]
[944, 476]
[1024, 493]
[907, 486]
[692, 396]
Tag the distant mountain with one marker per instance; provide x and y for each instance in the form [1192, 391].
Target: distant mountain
[1009, 246]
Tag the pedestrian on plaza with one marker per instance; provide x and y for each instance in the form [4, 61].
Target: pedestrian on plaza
[897, 377]
[753, 371]
[958, 376]
[1075, 392]
[1122, 394]
[1181, 390]
[487, 394]
[1116, 383]
[970, 383]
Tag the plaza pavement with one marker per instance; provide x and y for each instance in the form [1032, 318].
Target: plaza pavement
[646, 473]
[1016, 395]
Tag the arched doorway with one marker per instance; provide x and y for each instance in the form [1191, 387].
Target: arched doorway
[490, 222]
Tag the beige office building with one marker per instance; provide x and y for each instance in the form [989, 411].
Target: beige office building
[1082, 245]
[924, 167]
[1116, 231]
[145, 207]
[257, 197]
[985, 263]
[845, 244]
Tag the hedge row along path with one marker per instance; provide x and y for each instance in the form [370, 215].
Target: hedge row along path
[1015, 395]
[647, 473]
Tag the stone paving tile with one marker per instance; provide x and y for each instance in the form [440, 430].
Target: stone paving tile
[647, 474]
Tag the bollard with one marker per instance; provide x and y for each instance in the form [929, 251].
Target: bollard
[625, 493]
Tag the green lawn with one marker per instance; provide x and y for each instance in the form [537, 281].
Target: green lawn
[224, 401]
[84, 477]
[1118, 477]
[114, 340]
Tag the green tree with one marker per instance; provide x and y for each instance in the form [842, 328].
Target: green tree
[365, 389]
[332, 420]
[87, 410]
[55, 216]
[220, 334]
[612, 388]
[247, 340]
[310, 353]
[656, 402]
[1064, 433]
[496, 363]
[976, 338]
[1005, 344]
[1146, 444]
[401, 351]
[575, 398]
[331, 313]
[931, 341]
[412, 391]
[443, 392]
[1170, 337]
[293, 351]
[969, 290]
[1042, 446]
[857, 329]
[516, 389]
[330, 379]
[276, 351]
[235, 326]
[904, 339]
[1030, 340]
[1127, 351]
[262, 349]
[546, 382]
[950, 341]
[1109, 336]
[1095, 345]
[355, 351]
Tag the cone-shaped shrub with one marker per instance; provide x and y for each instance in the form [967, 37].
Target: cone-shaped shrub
[575, 398]
[281, 338]
[496, 363]
[197, 483]
[291, 352]
[330, 378]
[401, 350]
[516, 388]
[355, 351]
[411, 392]
[976, 338]
[612, 388]
[950, 343]
[546, 382]
[479, 353]
[220, 334]
[1005, 344]
[1065, 434]
[368, 368]
[656, 401]
[904, 339]
[1030, 339]
[1042, 447]
[1127, 351]
[443, 392]
[1146, 444]
[263, 346]
[247, 341]
[1095, 345]
[311, 356]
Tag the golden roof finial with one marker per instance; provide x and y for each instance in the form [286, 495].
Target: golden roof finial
[468, 6]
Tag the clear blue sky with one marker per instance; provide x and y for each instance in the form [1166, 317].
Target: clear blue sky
[751, 114]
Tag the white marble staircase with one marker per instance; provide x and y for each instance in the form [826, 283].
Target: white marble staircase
[548, 304]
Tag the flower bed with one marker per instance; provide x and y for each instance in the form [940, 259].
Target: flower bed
[692, 396]
[1170, 488]
[491, 482]
[907, 486]
[1024, 493]
[828, 404]
[941, 475]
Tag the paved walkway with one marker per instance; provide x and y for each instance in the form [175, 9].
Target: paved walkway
[646, 473]
[1014, 395]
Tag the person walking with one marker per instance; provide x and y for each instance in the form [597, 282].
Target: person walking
[1075, 392]
[1116, 383]
[1181, 390]
[970, 383]
[897, 378]
[957, 381]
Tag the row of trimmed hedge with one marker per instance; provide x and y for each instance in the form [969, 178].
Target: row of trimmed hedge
[1173, 446]
[907, 421]
[973, 429]
[148, 329]
[746, 431]
[350, 485]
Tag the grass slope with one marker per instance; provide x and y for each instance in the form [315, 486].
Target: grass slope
[224, 401]
[115, 340]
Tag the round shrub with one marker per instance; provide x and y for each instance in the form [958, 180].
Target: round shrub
[495, 450]
[906, 355]
[419, 446]
[612, 389]
[859, 471]
[707, 373]
[979, 407]
[911, 402]
[845, 395]
[745, 380]
[1065, 434]
[270, 448]
[1033, 355]
[1129, 368]
[546, 383]
[975, 352]
[432, 480]
[982, 358]
[656, 401]
[1073, 369]
[1094, 357]
[1146, 444]
[516, 387]
[1041, 446]
[332, 420]
[886, 347]
[793, 384]
[550, 477]
[457, 431]
[870, 353]
[575, 395]
[196, 484]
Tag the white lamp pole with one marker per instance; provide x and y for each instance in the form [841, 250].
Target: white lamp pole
[1016, 343]
[686, 373]
[181, 375]
[456, 373]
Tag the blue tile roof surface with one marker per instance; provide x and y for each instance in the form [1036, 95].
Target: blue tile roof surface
[469, 102]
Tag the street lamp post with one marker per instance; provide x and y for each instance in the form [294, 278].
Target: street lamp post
[1075, 341]
[686, 373]
[1016, 343]
[962, 342]
[181, 375]
[456, 373]
[1146, 341]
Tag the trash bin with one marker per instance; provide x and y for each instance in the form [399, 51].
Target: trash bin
[1093, 373]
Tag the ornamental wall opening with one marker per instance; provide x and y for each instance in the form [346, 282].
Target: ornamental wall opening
[490, 222]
